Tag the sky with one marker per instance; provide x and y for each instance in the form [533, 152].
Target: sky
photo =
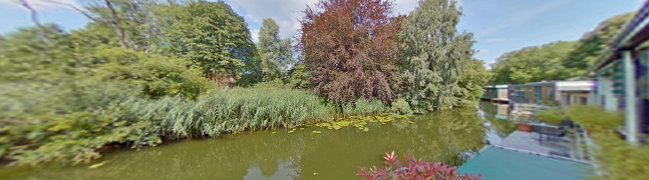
[499, 26]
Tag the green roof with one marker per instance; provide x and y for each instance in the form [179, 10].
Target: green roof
[497, 163]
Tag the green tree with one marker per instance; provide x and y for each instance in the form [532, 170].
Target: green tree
[275, 53]
[532, 64]
[211, 36]
[433, 55]
[594, 44]
[473, 78]
[28, 55]
[299, 77]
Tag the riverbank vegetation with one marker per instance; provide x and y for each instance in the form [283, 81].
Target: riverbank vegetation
[412, 168]
[557, 60]
[617, 158]
[145, 72]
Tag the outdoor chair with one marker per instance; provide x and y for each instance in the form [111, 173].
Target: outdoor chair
[548, 132]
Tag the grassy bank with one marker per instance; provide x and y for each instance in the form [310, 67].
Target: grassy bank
[98, 116]
[617, 158]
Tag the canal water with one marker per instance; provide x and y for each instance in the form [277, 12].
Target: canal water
[451, 137]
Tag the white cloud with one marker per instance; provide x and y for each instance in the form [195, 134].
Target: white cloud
[41, 5]
[404, 7]
[287, 13]
[255, 35]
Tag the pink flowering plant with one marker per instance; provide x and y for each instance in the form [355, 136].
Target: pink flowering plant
[413, 168]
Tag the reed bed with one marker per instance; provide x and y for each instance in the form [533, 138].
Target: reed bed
[234, 110]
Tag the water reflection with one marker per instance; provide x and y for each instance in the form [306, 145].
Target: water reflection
[497, 118]
[285, 170]
[448, 136]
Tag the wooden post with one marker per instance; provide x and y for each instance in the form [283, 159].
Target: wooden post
[630, 116]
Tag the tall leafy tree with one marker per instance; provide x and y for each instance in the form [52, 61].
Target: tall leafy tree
[276, 54]
[350, 47]
[433, 55]
[210, 35]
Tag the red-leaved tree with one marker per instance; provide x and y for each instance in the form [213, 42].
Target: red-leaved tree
[350, 47]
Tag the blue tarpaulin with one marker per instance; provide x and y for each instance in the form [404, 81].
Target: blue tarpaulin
[495, 164]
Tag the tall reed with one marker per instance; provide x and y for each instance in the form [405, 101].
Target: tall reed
[233, 110]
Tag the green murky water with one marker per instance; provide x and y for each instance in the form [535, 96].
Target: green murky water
[447, 136]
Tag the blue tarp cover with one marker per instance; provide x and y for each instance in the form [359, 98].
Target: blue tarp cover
[496, 163]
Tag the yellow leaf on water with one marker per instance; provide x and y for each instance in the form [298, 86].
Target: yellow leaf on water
[316, 132]
[99, 164]
[366, 129]
[273, 132]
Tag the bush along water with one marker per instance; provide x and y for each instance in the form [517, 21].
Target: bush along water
[364, 106]
[412, 168]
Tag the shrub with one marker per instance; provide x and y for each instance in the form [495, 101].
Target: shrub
[363, 106]
[75, 131]
[412, 168]
[594, 118]
[400, 106]
[552, 116]
[617, 158]
[157, 75]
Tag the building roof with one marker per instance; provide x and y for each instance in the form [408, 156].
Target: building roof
[563, 85]
[500, 86]
[633, 33]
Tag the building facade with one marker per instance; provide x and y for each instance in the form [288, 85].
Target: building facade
[552, 93]
[622, 79]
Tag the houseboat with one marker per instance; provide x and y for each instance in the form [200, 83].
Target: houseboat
[497, 93]
[552, 93]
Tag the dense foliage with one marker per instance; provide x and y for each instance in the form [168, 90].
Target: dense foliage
[434, 58]
[533, 64]
[413, 168]
[350, 47]
[558, 60]
[210, 35]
